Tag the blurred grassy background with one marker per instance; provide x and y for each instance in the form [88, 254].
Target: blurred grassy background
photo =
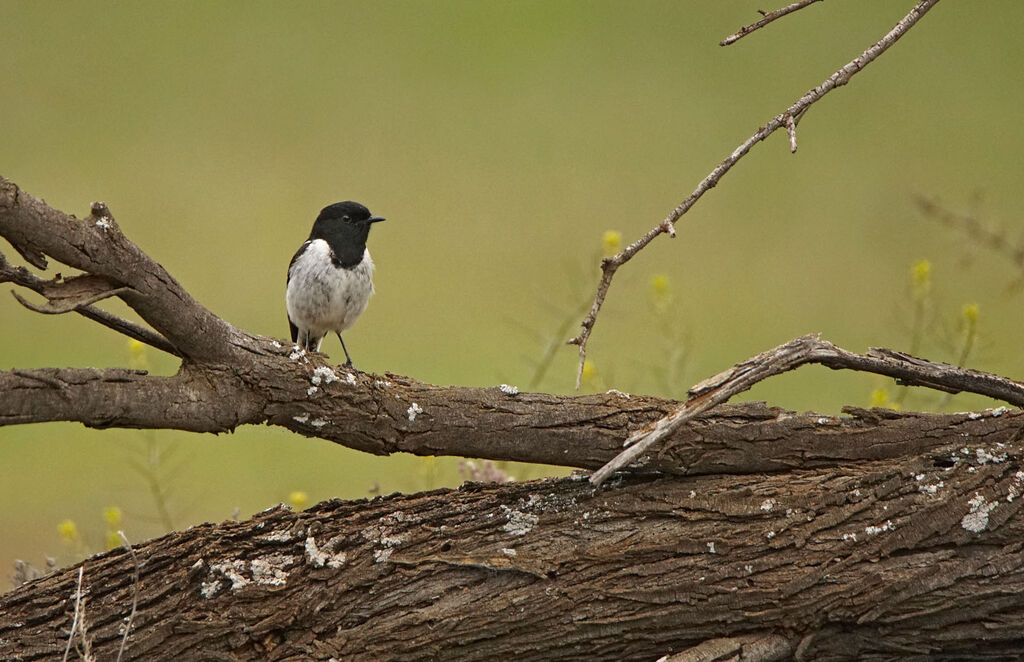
[501, 140]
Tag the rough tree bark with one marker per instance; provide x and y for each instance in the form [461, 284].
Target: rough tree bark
[765, 535]
[741, 532]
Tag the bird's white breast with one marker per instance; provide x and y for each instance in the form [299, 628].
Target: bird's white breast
[322, 297]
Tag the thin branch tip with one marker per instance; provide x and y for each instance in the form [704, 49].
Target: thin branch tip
[787, 120]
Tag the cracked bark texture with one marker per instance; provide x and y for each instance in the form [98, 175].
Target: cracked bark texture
[910, 558]
[750, 533]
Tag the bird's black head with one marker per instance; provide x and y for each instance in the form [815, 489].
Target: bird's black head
[349, 212]
[345, 226]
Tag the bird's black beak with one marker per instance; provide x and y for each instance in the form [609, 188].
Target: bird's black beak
[375, 219]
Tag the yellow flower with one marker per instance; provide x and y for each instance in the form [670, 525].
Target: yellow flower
[659, 284]
[112, 516]
[921, 276]
[612, 242]
[298, 499]
[589, 370]
[971, 312]
[68, 531]
[880, 398]
[137, 351]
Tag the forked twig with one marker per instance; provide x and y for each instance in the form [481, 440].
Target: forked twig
[768, 18]
[787, 118]
[906, 369]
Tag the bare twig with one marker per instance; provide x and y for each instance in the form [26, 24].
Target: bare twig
[791, 114]
[906, 369]
[135, 592]
[21, 276]
[791, 130]
[992, 237]
[74, 619]
[768, 18]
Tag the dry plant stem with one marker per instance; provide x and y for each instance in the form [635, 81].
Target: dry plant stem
[74, 618]
[993, 238]
[768, 18]
[135, 592]
[787, 118]
[906, 369]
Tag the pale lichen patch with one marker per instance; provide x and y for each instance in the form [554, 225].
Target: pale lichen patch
[270, 570]
[519, 523]
[413, 410]
[303, 418]
[323, 375]
[767, 505]
[508, 389]
[277, 536]
[875, 530]
[976, 520]
[318, 558]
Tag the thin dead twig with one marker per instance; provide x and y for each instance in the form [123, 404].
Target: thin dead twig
[135, 593]
[906, 369]
[791, 116]
[992, 237]
[21, 276]
[768, 18]
[75, 618]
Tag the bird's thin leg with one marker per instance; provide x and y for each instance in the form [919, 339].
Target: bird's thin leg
[348, 359]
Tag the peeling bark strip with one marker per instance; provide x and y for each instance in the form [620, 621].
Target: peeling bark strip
[860, 562]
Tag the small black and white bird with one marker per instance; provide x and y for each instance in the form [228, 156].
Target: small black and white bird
[330, 278]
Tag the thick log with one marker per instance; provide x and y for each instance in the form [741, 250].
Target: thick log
[910, 558]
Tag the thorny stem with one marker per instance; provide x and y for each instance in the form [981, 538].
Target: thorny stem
[792, 114]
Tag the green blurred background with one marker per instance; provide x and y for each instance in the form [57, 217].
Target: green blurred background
[502, 141]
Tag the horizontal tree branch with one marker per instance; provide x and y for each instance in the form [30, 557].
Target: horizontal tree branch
[372, 414]
[906, 369]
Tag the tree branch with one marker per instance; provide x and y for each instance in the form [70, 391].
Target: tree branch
[21, 276]
[906, 369]
[768, 18]
[854, 563]
[787, 118]
[98, 247]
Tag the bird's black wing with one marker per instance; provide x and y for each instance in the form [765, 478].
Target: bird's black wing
[291, 325]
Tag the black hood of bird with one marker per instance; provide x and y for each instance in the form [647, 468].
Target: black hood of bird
[345, 227]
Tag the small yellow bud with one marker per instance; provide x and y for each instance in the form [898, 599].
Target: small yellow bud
[137, 353]
[971, 312]
[298, 499]
[112, 516]
[880, 398]
[921, 276]
[612, 242]
[589, 370]
[68, 531]
[659, 284]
